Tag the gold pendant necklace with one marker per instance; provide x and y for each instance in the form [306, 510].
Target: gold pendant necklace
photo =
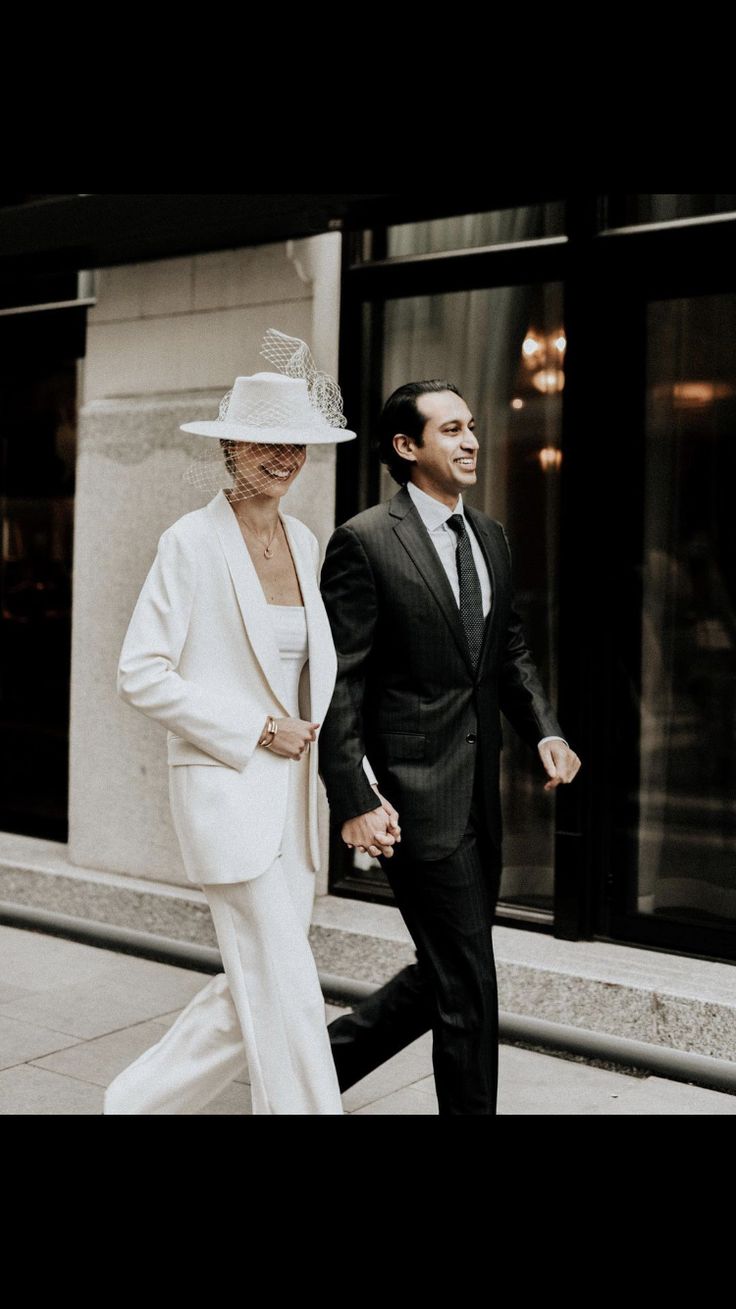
[267, 551]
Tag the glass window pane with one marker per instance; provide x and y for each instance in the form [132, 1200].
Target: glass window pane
[467, 231]
[38, 453]
[687, 801]
[504, 348]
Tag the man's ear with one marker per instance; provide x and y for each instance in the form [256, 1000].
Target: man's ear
[404, 446]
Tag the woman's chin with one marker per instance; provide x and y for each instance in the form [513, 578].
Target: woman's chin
[272, 491]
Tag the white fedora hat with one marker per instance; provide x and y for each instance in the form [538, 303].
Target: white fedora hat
[271, 409]
[298, 405]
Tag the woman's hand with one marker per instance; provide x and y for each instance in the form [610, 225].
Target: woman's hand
[393, 817]
[371, 831]
[292, 737]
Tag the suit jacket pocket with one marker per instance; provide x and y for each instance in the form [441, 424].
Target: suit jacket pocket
[180, 751]
[403, 745]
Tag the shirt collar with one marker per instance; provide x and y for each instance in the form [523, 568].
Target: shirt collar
[432, 512]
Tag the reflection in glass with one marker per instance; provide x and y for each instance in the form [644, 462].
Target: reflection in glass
[469, 231]
[687, 801]
[480, 340]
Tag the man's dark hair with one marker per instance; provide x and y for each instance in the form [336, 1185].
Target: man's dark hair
[400, 414]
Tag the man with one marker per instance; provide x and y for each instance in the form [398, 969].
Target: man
[430, 648]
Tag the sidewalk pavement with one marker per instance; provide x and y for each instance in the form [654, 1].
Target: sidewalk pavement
[73, 1015]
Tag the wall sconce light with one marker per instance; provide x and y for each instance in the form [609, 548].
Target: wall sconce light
[543, 357]
[699, 395]
[550, 458]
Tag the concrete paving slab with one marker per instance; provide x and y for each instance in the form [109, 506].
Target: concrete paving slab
[101, 1004]
[36, 962]
[409, 1100]
[655, 1095]
[20, 1042]
[408, 1066]
[27, 1090]
[8, 992]
[100, 1060]
[533, 1083]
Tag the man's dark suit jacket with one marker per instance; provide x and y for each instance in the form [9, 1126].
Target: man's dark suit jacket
[406, 693]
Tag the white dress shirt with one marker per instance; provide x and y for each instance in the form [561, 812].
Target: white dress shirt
[434, 514]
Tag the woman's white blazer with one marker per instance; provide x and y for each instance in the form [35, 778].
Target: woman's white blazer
[200, 656]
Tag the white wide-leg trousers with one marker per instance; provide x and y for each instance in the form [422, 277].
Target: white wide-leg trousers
[265, 1013]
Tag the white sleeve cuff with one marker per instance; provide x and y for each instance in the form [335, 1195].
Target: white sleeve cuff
[369, 772]
[553, 738]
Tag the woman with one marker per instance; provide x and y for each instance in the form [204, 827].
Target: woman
[230, 648]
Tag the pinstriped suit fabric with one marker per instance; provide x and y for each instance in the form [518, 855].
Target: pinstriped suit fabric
[407, 694]
[412, 695]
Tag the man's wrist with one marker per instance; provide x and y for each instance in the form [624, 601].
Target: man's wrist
[359, 818]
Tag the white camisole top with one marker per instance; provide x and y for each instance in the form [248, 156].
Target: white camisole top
[290, 626]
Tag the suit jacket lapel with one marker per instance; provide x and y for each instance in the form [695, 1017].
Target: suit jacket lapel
[251, 599]
[415, 539]
[322, 658]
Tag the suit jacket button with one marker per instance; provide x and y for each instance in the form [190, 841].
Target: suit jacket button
[471, 738]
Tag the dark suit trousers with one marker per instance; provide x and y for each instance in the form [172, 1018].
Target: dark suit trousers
[448, 907]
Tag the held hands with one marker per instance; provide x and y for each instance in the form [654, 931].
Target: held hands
[293, 737]
[560, 762]
[376, 831]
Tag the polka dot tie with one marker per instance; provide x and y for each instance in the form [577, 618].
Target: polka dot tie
[471, 600]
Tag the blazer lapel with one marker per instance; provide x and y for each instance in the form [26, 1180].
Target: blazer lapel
[415, 539]
[322, 657]
[251, 599]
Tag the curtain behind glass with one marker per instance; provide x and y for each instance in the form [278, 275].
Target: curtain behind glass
[469, 231]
